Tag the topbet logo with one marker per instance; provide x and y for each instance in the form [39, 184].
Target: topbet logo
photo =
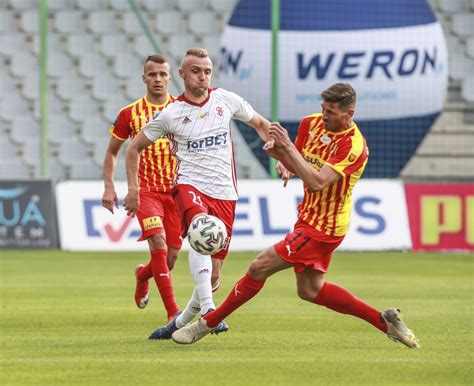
[208, 142]
[94, 212]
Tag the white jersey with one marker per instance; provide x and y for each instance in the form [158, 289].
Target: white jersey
[200, 139]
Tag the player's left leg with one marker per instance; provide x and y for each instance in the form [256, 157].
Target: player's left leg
[265, 265]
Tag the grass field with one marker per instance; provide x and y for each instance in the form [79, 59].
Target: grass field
[70, 318]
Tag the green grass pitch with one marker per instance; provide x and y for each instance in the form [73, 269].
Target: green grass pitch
[70, 319]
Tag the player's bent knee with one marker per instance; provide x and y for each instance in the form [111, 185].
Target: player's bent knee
[308, 294]
[157, 241]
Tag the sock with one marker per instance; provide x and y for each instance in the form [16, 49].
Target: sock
[192, 309]
[163, 281]
[201, 269]
[145, 273]
[244, 290]
[340, 300]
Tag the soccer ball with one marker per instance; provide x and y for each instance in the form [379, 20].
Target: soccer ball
[207, 234]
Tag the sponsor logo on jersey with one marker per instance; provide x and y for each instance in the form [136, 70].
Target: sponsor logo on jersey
[314, 161]
[325, 139]
[203, 115]
[209, 143]
[186, 120]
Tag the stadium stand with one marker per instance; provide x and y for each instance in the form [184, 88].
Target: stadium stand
[96, 48]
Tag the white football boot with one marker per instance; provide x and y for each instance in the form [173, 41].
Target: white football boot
[192, 332]
[397, 330]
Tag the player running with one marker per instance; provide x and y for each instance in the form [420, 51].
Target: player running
[198, 126]
[329, 155]
[157, 214]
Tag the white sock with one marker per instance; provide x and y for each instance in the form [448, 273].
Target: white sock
[192, 309]
[201, 269]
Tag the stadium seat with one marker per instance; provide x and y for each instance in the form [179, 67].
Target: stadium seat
[69, 22]
[110, 45]
[24, 128]
[69, 86]
[53, 44]
[119, 5]
[59, 64]
[85, 170]
[30, 86]
[102, 22]
[92, 65]
[134, 88]
[9, 85]
[187, 6]
[223, 6]
[142, 46]
[58, 5]
[126, 65]
[82, 106]
[73, 151]
[470, 47]
[451, 6]
[113, 105]
[31, 151]
[458, 66]
[11, 43]
[213, 45]
[463, 24]
[105, 86]
[9, 150]
[29, 21]
[77, 45]
[61, 128]
[14, 107]
[468, 91]
[169, 23]
[95, 129]
[204, 23]
[156, 5]
[179, 44]
[23, 64]
[99, 147]
[15, 170]
[130, 23]
[55, 105]
[91, 5]
[7, 21]
[22, 5]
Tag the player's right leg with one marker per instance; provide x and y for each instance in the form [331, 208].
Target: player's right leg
[266, 264]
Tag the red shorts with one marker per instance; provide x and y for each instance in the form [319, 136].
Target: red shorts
[305, 250]
[190, 202]
[157, 214]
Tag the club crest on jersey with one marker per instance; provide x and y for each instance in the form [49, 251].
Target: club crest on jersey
[186, 120]
[220, 111]
[325, 139]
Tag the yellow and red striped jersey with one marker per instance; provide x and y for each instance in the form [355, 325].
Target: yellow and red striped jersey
[328, 211]
[157, 164]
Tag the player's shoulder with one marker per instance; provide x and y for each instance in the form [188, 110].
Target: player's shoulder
[310, 118]
[129, 107]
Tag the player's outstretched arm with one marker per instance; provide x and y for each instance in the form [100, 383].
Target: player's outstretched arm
[109, 198]
[260, 124]
[293, 161]
[132, 159]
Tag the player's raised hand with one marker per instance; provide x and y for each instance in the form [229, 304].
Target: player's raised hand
[131, 202]
[285, 174]
[110, 200]
[279, 135]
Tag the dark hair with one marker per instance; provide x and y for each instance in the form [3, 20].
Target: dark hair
[341, 93]
[157, 58]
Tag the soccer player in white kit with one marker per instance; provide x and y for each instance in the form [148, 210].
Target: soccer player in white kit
[197, 124]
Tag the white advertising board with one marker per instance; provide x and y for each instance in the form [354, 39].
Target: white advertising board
[265, 213]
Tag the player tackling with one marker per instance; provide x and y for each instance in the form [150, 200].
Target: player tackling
[197, 124]
[329, 155]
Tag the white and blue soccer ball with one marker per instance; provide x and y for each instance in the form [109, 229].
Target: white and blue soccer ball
[207, 234]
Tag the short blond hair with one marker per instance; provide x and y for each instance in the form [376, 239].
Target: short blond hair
[197, 51]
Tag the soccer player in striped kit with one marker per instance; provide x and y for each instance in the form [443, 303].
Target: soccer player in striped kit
[157, 214]
[329, 155]
[198, 126]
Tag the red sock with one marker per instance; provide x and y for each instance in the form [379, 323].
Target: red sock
[340, 300]
[145, 273]
[163, 281]
[244, 290]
